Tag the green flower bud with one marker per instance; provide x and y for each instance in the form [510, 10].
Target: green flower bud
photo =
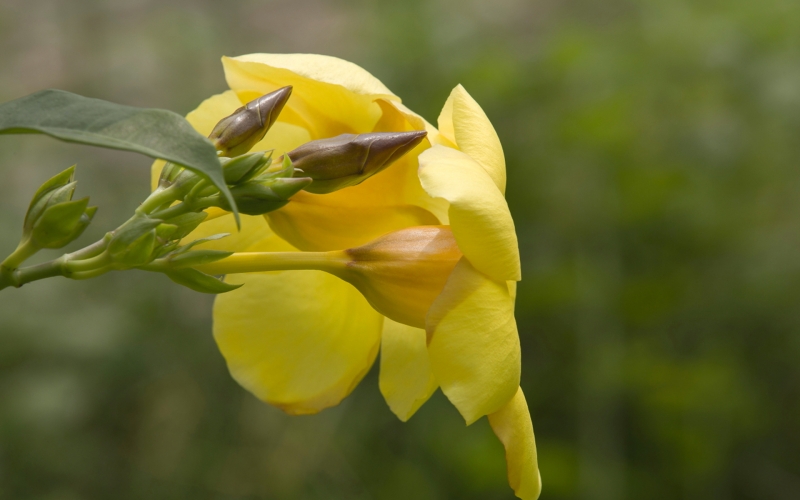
[260, 197]
[42, 199]
[61, 223]
[139, 252]
[349, 159]
[165, 232]
[234, 135]
[124, 236]
[245, 167]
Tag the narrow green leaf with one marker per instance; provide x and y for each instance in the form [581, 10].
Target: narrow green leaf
[156, 133]
[196, 258]
[199, 282]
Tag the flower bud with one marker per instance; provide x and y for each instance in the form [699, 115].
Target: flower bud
[260, 197]
[234, 135]
[43, 197]
[401, 273]
[244, 167]
[139, 252]
[61, 223]
[349, 159]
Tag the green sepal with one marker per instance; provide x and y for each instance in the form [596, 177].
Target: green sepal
[243, 168]
[260, 197]
[168, 174]
[213, 237]
[199, 282]
[196, 258]
[167, 249]
[61, 223]
[139, 252]
[187, 223]
[129, 232]
[166, 232]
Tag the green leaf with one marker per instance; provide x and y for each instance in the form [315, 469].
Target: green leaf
[199, 282]
[157, 133]
[196, 258]
[213, 237]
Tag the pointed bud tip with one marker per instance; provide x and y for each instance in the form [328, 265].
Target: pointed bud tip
[270, 105]
[402, 141]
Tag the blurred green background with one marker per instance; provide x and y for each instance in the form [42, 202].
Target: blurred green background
[652, 151]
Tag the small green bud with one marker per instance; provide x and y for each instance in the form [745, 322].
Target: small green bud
[139, 252]
[61, 223]
[165, 232]
[41, 200]
[245, 167]
[124, 236]
[349, 159]
[260, 197]
[236, 134]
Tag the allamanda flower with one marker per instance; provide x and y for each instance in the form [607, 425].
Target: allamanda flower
[419, 261]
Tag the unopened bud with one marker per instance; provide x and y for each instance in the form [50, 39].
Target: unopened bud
[43, 197]
[236, 134]
[139, 252]
[401, 273]
[244, 167]
[61, 223]
[260, 197]
[349, 159]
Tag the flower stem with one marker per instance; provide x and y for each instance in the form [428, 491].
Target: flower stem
[253, 262]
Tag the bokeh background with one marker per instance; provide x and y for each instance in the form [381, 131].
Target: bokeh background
[652, 151]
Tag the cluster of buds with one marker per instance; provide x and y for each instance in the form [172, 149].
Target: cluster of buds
[153, 239]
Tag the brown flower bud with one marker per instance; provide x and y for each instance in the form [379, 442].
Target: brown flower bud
[348, 159]
[236, 134]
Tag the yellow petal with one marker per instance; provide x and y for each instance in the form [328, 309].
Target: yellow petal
[447, 134]
[300, 340]
[205, 117]
[404, 179]
[392, 200]
[478, 212]
[314, 224]
[512, 425]
[473, 342]
[475, 135]
[406, 380]
[327, 69]
[330, 96]
[255, 235]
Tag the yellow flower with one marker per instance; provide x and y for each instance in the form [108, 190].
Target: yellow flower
[303, 339]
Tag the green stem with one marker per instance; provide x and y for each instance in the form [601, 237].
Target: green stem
[19, 277]
[160, 196]
[253, 262]
[77, 266]
[24, 250]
